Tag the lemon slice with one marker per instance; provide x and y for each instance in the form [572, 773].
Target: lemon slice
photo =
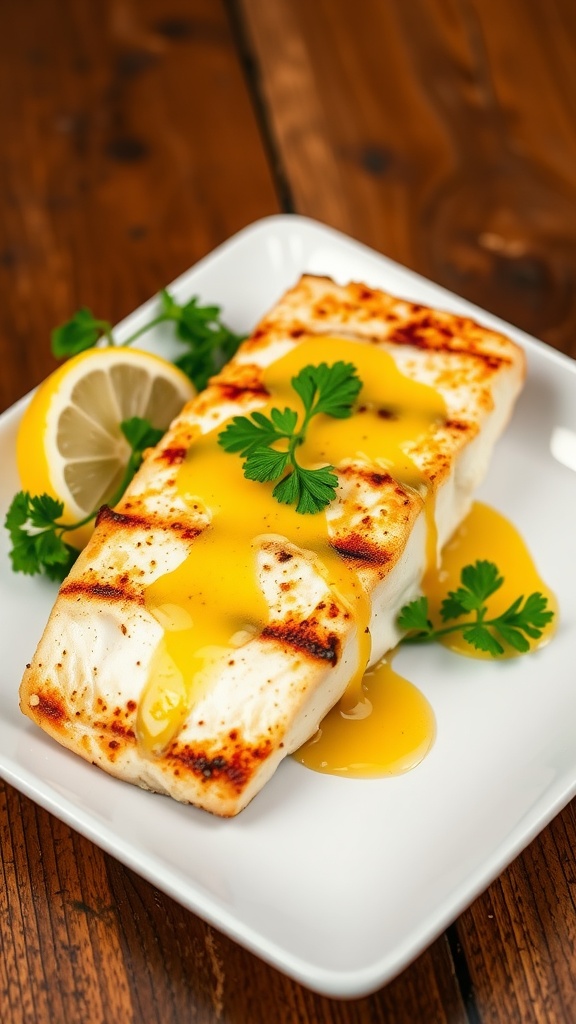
[70, 444]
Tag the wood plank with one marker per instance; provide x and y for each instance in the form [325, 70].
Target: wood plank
[519, 938]
[429, 132]
[65, 965]
[84, 939]
[448, 132]
[130, 149]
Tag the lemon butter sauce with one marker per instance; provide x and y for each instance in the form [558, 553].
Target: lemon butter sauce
[392, 727]
[388, 732]
[487, 535]
[215, 592]
[382, 725]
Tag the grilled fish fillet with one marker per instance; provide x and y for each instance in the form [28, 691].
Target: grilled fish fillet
[95, 659]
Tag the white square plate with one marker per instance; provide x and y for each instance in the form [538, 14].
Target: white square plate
[340, 882]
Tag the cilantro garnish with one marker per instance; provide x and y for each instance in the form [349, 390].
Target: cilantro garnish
[526, 617]
[331, 390]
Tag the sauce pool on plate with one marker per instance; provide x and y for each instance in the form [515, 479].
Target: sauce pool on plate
[392, 727]
[486, 535]
[388, 731]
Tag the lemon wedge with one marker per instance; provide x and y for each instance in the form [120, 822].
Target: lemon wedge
[69, 442]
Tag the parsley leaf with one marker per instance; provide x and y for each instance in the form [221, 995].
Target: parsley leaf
[479, 582]
[414, 616]
[208, 342]
[34, 523]
[36, 545]
[264, 464]
[140, 435]
[82, 331]
[326, 389]
[482, 639]
[525, 617]
[309, 489]
[247, 434]
[329, 389]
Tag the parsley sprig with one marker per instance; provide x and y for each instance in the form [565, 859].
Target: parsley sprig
[331, 390]
[208, 342]
[526, 617]
[37, 533]
[34, 523]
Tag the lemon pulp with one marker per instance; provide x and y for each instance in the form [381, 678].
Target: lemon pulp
[69, 442]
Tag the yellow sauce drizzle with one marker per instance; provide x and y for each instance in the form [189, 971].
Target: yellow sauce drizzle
[487, 535]
[215, 593]
[390, 730]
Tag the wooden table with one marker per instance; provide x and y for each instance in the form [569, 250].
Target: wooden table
[136, 136]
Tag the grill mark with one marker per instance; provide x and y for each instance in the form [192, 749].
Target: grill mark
[431, 335]
[359, 549]
[141, 521]
[234, 769]
[171, 456]
[233, 392]
[184, 530]
[372, 477]
[104, 591]
[51, 708]
[458, 425]
[306, 638]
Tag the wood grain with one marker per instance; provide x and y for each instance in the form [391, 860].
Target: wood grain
[440, 134]
[130, 149]
[83, 939]
[136, 137]
[443, 135]
[519, 938]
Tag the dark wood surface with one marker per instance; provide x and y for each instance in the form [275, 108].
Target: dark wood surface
[135, 136]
